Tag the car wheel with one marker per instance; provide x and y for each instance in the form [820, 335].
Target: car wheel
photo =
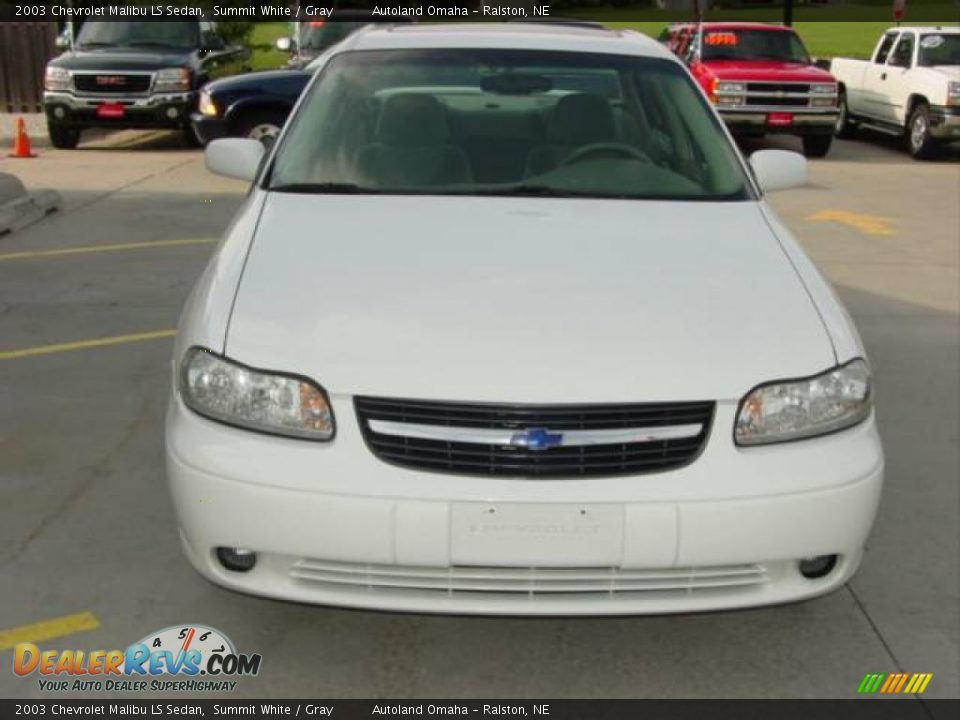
[919, 142]
[844, 128]
[262, 127]
[191, 138]
[817, 146]
[63, 138]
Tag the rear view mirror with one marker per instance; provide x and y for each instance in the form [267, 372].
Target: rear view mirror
[285, 44]
[516, 84]
[62, 42]
[779, 169]
[237, 158]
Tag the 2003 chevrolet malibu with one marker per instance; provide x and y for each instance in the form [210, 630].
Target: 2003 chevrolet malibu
[504, 325]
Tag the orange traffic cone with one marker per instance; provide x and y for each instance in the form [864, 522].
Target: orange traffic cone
[21, 142]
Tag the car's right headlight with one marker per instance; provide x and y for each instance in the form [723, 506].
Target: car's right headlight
[274, 403]
[56, 78]
[795, 409]
[953, 93]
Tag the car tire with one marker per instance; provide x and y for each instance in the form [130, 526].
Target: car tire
[191, 138]
[261, 126]
[63, 137]
[817, 146]
[919, 142]
[844, 129]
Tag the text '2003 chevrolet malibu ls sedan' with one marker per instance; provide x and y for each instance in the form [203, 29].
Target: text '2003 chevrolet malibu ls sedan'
[504, 325]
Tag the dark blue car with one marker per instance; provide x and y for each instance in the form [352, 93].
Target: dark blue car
[256, 105]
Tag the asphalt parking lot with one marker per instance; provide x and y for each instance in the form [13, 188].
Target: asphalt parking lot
[88, 301]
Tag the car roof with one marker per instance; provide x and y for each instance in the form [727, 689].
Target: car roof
[515, 36]
[946, 29]
[735, 26]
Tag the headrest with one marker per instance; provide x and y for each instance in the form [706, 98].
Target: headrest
[580, 119]
[413, 120]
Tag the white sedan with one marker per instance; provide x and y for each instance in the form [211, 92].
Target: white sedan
[505, 326]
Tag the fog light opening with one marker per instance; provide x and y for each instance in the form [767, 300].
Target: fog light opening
[237, 559]
[817, 567]
[172, 113]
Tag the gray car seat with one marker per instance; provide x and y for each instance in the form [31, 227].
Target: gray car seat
[412, 147]
[577, 120]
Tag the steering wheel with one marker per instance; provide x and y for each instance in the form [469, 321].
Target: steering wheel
[623, 149]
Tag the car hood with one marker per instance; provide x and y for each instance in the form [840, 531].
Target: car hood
[261, 80]
[767, 71]
[521, 300]
[119, 59]
[951, 71]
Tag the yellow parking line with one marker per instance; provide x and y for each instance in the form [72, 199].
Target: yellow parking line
[84, 344]
[867, 224]
[48, 629]
[100, 248]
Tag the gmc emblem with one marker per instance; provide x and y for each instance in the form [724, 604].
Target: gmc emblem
[111, 80]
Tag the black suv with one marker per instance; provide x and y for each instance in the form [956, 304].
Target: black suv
[135, 75]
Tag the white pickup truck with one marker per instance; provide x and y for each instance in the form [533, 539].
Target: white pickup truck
[910, 87]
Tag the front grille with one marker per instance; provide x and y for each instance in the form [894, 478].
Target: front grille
[765, 87]
[503, 459]
[776, 94]
[526, 581]
[107, 83]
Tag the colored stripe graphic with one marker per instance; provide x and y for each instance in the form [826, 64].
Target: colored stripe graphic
[894, 683]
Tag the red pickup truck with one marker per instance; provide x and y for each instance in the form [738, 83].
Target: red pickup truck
[761, 79]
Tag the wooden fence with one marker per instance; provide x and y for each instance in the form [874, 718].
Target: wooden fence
[25, 48]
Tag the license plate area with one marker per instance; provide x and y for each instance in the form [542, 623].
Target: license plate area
[526, 535]
[780, 119]
[111, 110]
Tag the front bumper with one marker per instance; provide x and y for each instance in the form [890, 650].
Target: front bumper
[331, 524]
[750, 121]
[209, 128]
[945, 122]
[161, 110]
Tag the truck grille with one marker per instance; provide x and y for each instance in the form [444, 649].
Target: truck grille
[107, 83]
[534, 441]
[778, 94]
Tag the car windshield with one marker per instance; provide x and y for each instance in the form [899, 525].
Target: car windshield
[507, 122]
[178, 35]
[753, 45]
[318, 34]
[937, 49]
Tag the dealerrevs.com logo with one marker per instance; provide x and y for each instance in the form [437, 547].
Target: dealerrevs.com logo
[187, 658]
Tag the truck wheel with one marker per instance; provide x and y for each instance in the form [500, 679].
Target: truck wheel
[62, 137]
[844, 128]
[264, 127]
[817, 146]
[919, 142]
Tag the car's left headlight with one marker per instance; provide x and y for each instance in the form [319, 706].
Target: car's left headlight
[794, 409]
[172, 80]
[274, 403]
[206, 105]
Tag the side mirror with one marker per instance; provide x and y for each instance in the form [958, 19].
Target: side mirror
[62, 42]
[237, 158]
[779, 169]
[285, 44]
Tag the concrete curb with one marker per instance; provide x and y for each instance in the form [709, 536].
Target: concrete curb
[18, 208]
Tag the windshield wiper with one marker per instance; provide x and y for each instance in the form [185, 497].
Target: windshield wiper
[326, 188]
[535, 191]
[151, 43]
[96, 44]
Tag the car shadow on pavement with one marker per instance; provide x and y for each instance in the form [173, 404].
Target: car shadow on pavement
[868, 146]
